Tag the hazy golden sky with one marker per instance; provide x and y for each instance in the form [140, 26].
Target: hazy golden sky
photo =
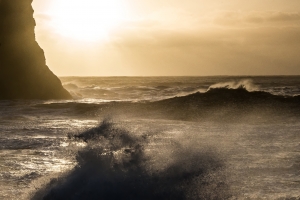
[171, 37]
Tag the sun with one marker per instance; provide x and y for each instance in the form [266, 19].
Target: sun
[86, 20]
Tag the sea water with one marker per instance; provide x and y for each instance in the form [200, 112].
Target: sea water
[102, 145]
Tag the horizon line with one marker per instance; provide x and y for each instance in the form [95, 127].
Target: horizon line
[184, 76]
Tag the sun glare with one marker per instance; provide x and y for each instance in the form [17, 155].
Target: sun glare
[89, 20]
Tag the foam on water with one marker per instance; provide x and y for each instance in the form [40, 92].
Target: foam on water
[163, 159]
[158, 88]
[167, 140]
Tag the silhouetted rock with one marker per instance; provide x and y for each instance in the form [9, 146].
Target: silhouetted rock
[23, 70]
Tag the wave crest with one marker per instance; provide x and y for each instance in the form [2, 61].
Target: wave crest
[242, 84]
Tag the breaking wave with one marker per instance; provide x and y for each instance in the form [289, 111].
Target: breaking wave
[244, 83]
[217, 103]
[115, 164]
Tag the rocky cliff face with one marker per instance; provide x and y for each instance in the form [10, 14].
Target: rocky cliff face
[23, 70]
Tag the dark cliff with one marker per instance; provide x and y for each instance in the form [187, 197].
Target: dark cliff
[23, 70]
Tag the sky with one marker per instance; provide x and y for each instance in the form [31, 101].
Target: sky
[170, 37]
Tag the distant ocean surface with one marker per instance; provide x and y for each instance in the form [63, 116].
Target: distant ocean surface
[217, 137]
[157, 88]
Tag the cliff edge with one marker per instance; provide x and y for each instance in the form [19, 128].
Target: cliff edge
[23, 70]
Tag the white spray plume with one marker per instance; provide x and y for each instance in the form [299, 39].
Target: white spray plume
[244, 83]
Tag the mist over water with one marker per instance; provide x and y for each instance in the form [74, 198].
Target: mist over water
[155, 138]
[158, 88]
[116, 165]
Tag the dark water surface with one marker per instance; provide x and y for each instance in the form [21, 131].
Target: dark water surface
[155, 138]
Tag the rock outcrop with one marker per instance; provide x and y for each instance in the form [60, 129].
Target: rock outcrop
[23, 70]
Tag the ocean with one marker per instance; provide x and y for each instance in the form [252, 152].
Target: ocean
[217, 137]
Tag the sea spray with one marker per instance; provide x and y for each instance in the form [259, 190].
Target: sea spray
[115, 165]
[253, 135]
[243, 83]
